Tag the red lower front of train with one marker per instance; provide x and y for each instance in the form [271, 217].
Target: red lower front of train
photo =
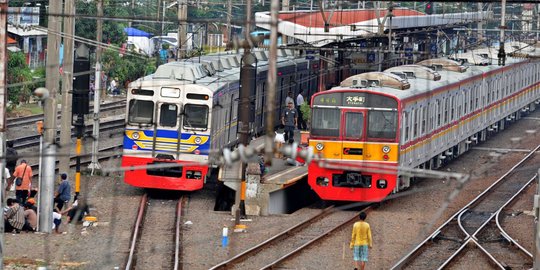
[361, 183]
[164, 174]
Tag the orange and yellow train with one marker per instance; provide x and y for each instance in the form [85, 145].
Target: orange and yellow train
[372, 127]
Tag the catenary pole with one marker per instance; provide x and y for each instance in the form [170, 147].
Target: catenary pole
[182, 17]
[49, 111]
[67, 83]
[536, 255]
[94, 164]
[272, 77]
[3, 100]
[502, 55]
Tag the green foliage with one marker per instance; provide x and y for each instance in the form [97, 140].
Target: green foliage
[306, 111]
[113, 30]
[127, 67]
[20, 75]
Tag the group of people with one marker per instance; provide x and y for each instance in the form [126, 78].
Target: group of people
[20, 214]
[291, 117]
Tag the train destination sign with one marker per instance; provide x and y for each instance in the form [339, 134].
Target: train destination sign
[354, 99]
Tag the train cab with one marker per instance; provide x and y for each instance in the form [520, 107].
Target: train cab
[167, 136]
[354, 134]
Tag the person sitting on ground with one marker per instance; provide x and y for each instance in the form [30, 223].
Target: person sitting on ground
[57, 220]
[31, 218]
[31, 204]
[75, 212]
[14, 216]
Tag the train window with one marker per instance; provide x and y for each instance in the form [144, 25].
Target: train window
[142, 92]
[405, 136]
[141, 111]
[424, 119]
[195, 116]
[354, 125]
[170, 92]
[168, 114]
[416, 119]
[439, 112]
[325, 122]
[382, 124]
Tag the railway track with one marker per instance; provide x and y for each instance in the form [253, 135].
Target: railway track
[31, 120]
[472, 226]
[33, 140]
[147, 251]
[283, 246]
[109, 153]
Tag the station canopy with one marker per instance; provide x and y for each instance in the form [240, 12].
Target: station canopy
[309, 25]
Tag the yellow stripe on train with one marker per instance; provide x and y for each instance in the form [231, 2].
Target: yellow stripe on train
[190, 140]
[347, 150]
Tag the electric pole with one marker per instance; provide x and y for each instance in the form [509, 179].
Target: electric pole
[49, 110]
[272, 78]
[285, 7]
[94, 165]
[502, 55]
[536, 255]
[229, 18]
[67, 83]
[182, 17]
[3, 101]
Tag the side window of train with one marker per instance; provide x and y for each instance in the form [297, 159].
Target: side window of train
[452, 108]
[168, 113]
[424, 120]
[415, 123]
[405, 135]
[439, 112]
[141, 111]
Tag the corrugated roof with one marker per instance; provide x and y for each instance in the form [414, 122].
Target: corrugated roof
[339, 18]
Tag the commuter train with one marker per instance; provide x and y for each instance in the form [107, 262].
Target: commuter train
[175, 116]
[374, 125]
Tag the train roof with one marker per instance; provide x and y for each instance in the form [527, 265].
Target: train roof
[417, 84]
[214, 71]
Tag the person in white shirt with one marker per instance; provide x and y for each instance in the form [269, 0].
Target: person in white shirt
[289, 98]
[299, 101]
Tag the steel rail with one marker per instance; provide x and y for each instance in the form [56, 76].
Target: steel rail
[242, 255]
[33, 140]
[31, 119]
[72, 158]
[131, 260]
[316, 239]
[177, 234]
[504, 233]
[414, 252]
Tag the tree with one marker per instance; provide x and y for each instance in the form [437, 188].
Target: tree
[19, 74]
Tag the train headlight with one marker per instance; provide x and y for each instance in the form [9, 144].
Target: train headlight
[135, 135]
[198, 140]
[319, 146]
[381, 183]
[386, 149]
[322, 181]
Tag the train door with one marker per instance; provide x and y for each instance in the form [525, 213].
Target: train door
[352, 134]
[167, 125]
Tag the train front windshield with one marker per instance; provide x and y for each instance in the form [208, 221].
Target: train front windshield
[357, 124]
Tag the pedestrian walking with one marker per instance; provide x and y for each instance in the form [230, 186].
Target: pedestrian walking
[289, 119]
[299, 102]
[11, 163]
[24, 172]
[360, 241]
[63, 194]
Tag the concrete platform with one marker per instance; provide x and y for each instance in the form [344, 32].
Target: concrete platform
[267, 194]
